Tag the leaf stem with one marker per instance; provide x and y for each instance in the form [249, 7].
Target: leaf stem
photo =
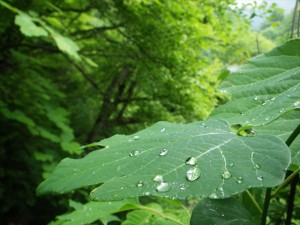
[290, 201]
[161, 214]
[287, 180]
[293, 136]
[266, 206]
[254, 201]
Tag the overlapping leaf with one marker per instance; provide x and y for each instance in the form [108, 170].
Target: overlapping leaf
[93, 211]
[224, 163]
[282, 128]
[221, 211]
[264, 88]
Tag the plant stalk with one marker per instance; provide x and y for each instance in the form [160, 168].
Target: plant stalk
[291, 199]
[266, 206]
[286, 182]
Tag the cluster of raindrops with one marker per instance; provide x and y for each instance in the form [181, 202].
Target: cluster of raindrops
[161, 186]
[296, 104]
[260, 177]
[193, 173]
[140, 184]
[134, 153]
[182, 187]
[265, 101]
[134, 138]
[256, 166]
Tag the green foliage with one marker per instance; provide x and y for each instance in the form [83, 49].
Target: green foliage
[215, 159]
[161, 212]
[93, 211]
[221, 211]
[79, 71]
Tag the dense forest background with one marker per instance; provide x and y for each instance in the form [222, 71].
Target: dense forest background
[74, 72]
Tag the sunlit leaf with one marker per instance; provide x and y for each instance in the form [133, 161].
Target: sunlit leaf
[28, 26]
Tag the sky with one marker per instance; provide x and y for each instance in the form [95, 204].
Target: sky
[287, 5]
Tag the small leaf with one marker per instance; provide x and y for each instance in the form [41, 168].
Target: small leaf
[65, 44]
[71, 147]
[221, 211]
[93, 211]
[28, 27]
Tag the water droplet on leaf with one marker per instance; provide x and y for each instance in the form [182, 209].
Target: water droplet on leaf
[76, 170]
[182, 187]
[136, 137]
[134, 153]
[140, 184]
[163, 130]
[163, 187]
[296, 104]
[260, 177]
[163, 152]
[231, 164]
[193, 174]
[158, 178]
[191, 161]
[239, 180]
[256, 98]
[213, 196]
[256, 166]
[221, 190]
[226, 174]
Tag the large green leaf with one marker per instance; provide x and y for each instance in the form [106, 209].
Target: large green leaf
[264, 88]
[222, 212]
[222, 163]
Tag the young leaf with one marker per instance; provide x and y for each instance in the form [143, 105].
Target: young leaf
[177, 161]
[221, 211]
[264, 88]
[28, 27]
[93, 211]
